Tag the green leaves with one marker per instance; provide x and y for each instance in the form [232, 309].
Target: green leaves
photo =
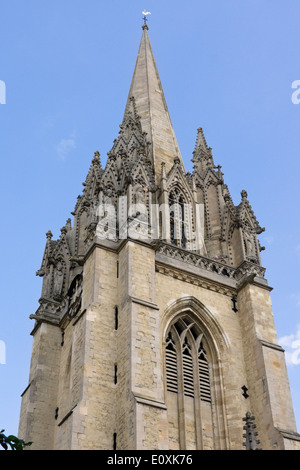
[12, 442]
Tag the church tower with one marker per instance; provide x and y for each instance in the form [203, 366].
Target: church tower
[155, 327]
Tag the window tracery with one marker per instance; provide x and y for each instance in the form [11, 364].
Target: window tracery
[187, 358]
[189, 379]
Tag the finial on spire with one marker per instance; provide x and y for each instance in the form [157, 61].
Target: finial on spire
[49, 235]
[145, 13]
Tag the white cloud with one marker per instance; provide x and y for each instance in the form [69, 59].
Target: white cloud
[65, 146]
[291, 343]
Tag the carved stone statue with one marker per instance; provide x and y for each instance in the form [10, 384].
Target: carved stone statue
[249, 244]
[47, 282]
[58, 279]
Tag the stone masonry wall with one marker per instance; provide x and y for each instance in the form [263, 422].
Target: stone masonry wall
[39, 402]
[107, 378]
[169, 291]
[270, 398]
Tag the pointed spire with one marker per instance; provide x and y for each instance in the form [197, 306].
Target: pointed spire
[96, 159]
[202, 155]
[132, 142]
[163, 177]
[151, 106]
[49, 235]
[201, 140]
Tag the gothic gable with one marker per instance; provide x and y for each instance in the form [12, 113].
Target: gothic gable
[129, 159]
[177, 179]
[92, 182]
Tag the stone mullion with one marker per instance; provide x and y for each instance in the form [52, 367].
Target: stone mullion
[221, 438]
[178, 227]
[181, 413]
[197, 398]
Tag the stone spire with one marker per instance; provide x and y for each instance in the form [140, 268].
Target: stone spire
[202, 155]
[152, 109]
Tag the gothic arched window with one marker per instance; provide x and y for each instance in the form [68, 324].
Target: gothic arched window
[188, 386]
[177, 219]
[172, 219]
[181, 222]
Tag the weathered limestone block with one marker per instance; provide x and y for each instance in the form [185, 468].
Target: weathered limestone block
[40, 398]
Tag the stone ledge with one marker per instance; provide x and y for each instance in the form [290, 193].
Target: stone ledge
[185, 274]
[144, 400]
[268, 344]
[287, 434]
[26, 389]
[145, 303]
[66, 416]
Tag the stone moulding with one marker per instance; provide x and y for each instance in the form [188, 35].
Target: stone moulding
[207, 273]
[145, 303]
[196, 260]
[246, 267]
[287, 434]
[27, 388]
[144, 400]
[177, 262]
[67, 415]
[192, 278]
[267, 344]
[191, 258]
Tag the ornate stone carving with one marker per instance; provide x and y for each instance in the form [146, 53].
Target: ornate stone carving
[211, 265]
[251, 442]
[58, 279]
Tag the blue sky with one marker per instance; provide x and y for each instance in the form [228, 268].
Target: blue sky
[225, 65]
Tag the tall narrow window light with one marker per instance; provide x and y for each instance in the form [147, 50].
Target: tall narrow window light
[181, 222]
[171, 362]
[172, 219]
[116, 317]
[187, 367]
[177, 219]
[205, 392]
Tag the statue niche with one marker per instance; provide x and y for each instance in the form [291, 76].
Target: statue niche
[249, 244]
[47, 274]
[74, 296]
[58, 279]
